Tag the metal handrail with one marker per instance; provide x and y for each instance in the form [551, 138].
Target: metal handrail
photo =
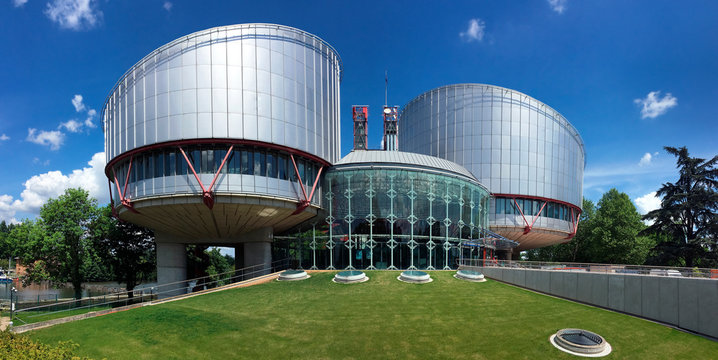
[155, 292]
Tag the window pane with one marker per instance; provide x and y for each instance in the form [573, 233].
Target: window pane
[170, 163]
[283, 167]
[159, 164]
[271, 165]
[218, 158]
[247, 162]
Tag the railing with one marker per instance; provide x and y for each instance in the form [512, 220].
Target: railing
[695, 272]
[139, 296]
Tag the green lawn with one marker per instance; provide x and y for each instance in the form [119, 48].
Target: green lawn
[381, 319]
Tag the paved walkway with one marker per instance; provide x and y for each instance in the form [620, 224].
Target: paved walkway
[4, 322]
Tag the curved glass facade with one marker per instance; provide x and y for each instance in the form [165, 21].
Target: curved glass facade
[247, 170]
[386, 218]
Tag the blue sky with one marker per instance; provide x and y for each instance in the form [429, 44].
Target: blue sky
[632, 76]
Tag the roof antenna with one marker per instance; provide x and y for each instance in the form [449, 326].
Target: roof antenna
[386, 88]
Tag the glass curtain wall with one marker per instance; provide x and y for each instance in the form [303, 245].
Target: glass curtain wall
[393, 219]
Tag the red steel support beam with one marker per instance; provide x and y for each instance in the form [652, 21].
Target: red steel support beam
[124, 199]
[574, 223]
[307, 200]
[539, 213]
[296, 171]
[527, 228]
[207, 194]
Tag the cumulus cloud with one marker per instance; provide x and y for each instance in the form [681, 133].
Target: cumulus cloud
[167, 5]
[646, 159]
[558, 6]
[74, 14]
[475, 31]
[653, 105]
[53, 139]
[76, 126]
[72, 126]
[647, 202]
[77, 103]
[4, 137]
[18, 3]
[40, 188]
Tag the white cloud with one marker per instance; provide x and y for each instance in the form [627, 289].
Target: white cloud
[18, 3]
[37, 160]
[647, 202]
[74, 14]
[558, 6]
[40, 188]
[647, 158]
[72, 126]
[53, 139]
[654, 105]
[167, 5]
[4, 137]
[76, 126]
[475, 31]
[90, 116]
[77, 103]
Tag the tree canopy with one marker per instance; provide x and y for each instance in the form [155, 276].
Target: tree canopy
[686, 224]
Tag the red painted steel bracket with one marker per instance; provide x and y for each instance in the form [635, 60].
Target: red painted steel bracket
[303, 204]
[124, 199]
[574, 224]
[207, 193]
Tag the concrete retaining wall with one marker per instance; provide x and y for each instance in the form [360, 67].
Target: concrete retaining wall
[688, 303]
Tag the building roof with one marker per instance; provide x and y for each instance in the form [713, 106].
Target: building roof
[400, 159]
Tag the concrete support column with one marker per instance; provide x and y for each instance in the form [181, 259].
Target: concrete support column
[504, 254]
[171, 268]
[258, 250]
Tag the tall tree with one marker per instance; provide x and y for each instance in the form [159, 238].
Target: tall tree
[614, 237]
[688, 214]
[128, 249]
[63, 251]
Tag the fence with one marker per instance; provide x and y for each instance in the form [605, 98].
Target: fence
[695, 272]
[32, 314]
[682, 297]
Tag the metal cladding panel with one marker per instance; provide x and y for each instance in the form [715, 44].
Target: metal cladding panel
[511, 142]
[262, 82]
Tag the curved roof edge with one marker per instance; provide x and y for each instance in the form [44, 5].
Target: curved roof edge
[399, 159]
[568, 123]
[210, 30]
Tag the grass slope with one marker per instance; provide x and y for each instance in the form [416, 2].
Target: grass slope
[382, 319]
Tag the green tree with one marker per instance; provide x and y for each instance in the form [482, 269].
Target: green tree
[61, 254]
[687, 220]
[128, 249]
[614, 235]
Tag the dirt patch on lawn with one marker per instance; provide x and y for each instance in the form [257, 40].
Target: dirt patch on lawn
[4, 323]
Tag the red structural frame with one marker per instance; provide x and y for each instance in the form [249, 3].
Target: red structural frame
[575, 211]
[207, 193]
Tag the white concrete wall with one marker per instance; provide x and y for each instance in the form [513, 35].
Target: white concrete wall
[689, 303]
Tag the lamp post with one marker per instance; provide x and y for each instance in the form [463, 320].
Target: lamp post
[12, 305]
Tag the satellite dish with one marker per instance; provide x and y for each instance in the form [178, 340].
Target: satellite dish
[387, 111]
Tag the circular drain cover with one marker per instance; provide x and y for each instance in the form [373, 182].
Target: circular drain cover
[580, 342]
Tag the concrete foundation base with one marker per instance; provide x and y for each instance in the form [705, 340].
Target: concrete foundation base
[258, 251]
[171, 268]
